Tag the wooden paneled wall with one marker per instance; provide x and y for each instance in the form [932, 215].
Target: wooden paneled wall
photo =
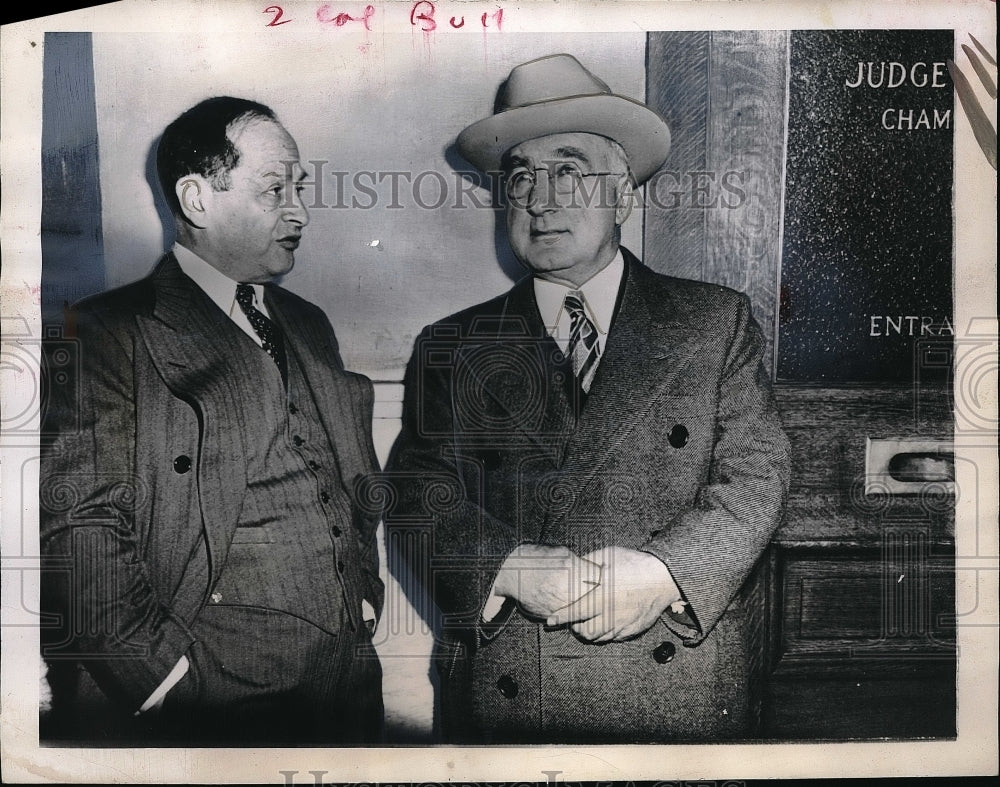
[713, 213]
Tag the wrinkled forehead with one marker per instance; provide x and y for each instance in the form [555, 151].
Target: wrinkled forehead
[263, 145]
[583, 148]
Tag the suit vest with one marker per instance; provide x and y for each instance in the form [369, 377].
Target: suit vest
[295, 526]
[286, 656]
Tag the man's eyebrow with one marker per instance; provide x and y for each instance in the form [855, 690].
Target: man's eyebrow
[569, 151]
[272, 174]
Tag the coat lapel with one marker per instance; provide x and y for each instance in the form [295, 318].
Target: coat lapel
[183, 338]
[344, 404]
[514, 386]
[648, 355]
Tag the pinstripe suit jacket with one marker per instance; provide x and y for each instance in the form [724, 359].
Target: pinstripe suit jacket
[678, 451]
[143, 485]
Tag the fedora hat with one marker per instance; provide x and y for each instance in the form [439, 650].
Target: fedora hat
[555, 95]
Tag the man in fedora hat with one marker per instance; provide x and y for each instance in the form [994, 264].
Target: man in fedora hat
[591, 464]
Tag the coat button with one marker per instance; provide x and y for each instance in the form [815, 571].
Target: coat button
[337, 532]
[292, 408]
[182, 464]
[507, 686]
[216, 598]
[678, 436]
[297, 440]
[664, 652]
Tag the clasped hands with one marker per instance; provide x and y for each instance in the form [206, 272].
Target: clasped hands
[609, 594]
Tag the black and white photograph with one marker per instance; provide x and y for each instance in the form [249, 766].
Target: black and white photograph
[466, 391]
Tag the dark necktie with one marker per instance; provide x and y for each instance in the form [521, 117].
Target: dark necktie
[584, 349]
[269, 333]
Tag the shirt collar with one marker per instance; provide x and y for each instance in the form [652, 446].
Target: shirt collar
[600, 293]
[215, 284]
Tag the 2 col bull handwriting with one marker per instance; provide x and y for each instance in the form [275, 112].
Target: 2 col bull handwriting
[423, 17]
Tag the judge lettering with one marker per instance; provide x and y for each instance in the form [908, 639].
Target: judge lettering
[893, 74]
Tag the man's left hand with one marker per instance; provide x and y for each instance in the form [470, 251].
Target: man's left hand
[636, 587]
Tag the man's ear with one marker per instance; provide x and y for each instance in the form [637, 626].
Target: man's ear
[193, 192]
[626, 197]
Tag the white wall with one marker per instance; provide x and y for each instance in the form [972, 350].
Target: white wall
[393, 103]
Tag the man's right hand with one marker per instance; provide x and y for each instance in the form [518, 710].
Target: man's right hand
[545, 579]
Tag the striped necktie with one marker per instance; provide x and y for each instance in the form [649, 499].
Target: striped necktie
[583, 349]
[269, 333]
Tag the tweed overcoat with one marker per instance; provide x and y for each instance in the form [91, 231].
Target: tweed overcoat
[678, 451]
[142, 487]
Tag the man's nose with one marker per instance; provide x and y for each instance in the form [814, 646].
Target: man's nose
[296, 211]
[542, 194]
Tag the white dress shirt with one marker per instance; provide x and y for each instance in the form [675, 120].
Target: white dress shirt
[599, 296]
[220, 288]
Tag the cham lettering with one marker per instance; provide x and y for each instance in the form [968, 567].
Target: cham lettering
[906, 120]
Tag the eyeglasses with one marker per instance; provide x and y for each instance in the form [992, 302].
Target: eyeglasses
[565, 177]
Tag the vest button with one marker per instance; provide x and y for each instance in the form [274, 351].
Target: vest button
[340, 566]
[297, 440]
[324, 497]
[337, 532]
[182, 464]
[216, 598]
[507, 686]
[664, 652]
[313, 464]
[292, 408]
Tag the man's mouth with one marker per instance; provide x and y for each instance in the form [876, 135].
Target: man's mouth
[547, 235]
[290, 242]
